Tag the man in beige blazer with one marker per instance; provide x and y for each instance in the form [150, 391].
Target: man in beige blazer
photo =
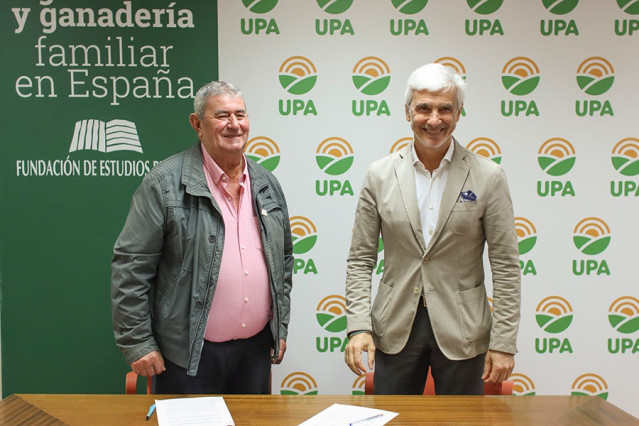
[436, 205]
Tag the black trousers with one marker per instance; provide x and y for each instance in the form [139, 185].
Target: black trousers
[405, 373]
[240, 366]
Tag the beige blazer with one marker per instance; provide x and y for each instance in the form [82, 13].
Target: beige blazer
[449, 272]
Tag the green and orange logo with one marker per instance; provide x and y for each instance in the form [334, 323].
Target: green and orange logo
[400, 144]
[595, 75]
[304, 234]
[263, 151]
[259, 6]
[484, 7]
[526, 234]
[625, 157]
[409, 7]
[631, 7]
[560, 7]
[454, 64]
[371, 75]
[359, 385]
[522, 385]
[554, 314]
[623, 314]
[334, 156]
[331, 313]
[298, 383]
[297, 75]
[520, 76]
[591, 236]
[334, 7]
[590, 385]
[486, 148]
[556, 157]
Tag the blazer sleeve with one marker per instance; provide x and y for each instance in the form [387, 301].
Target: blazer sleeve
[503, 255]
[362, 257]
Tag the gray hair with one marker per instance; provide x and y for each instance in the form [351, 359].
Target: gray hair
[214, 88]
[435, 78]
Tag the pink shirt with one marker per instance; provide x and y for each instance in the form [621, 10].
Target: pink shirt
[242, 301]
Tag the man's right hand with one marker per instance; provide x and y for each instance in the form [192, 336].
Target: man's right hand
[149, 365]
[353, 352]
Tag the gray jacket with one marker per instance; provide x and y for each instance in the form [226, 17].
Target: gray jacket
[167, 258]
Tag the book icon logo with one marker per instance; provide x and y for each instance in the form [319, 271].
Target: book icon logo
[110, 136]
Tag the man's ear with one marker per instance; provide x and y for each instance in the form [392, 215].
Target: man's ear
[196, 123]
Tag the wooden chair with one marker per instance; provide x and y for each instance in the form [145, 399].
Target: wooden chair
[505, 388]
[131, 383]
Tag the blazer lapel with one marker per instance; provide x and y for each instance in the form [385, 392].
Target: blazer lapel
[457, 175]
[404, 170]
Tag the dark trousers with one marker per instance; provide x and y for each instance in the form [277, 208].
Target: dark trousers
[240, 366]
[405, 373]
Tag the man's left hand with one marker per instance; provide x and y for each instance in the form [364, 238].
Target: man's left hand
[280, 356]
[498, 366]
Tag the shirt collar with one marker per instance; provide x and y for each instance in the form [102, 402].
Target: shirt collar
[216, 172]
[447, 157]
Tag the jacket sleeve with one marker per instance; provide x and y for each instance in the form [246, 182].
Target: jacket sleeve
[136, 255]
[362, 258]
[503, 254]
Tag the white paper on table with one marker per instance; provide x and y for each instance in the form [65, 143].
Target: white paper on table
[345, 415]
[205, 410]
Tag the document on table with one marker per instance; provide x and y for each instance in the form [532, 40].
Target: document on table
[206, 410]
[346, 415]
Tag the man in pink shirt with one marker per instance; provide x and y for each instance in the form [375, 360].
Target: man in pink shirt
[202, 271]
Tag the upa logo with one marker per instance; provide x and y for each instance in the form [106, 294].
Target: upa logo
[554, 315]
[359, 385]
[263, 151]
[371, 76]
[520, 76]
[627, 26]
[334, 26]
[485, 147]
[408, 26]
[590, 384]
[557, 27]
[556, 157]
[298, 383]
[522, 385]
[304, 236]
[331, 315]
[484, 26]
[623, 316]
[625, 159]
[334, 156]
[527, 237]
[457, 66]
[591, 237]
[259, 25]
[297, 76]
[595, 76]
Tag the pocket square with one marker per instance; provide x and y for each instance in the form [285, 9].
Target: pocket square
[467, 196]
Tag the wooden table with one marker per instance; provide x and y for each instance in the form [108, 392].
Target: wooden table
[40, 409]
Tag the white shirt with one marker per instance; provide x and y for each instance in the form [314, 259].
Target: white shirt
[430, 188]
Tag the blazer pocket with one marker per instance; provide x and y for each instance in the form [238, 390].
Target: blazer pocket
[465, 217]
[475, 318]
[381, 308]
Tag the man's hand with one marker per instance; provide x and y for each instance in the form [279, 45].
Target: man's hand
[149, 365]
[353, 353]
[498, 366]
[280, 356]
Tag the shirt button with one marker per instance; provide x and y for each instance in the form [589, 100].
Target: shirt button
[246, 299]
[228, 198]
[430, 207]
[416, 290]
[430, 231]
[243, 325]
[245, 272]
